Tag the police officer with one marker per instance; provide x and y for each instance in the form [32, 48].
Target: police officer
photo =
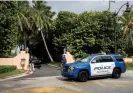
[102, 52]
[63, 60]
[32, 68]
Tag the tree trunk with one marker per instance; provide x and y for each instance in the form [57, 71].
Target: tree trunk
[131, 37]
[25, 41]
[46, 46]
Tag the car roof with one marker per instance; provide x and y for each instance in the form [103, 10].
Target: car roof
[114, 54]
[105, 54]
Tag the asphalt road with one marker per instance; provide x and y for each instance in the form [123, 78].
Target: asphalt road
[58, 84]
[44, 71]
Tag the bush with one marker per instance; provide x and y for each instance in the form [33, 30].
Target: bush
[129, 64]
[6, 68]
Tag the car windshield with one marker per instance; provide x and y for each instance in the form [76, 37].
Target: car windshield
[85, 59]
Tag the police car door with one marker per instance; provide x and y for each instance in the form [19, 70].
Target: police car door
[102, 65]
[108, 64]
[96, 66]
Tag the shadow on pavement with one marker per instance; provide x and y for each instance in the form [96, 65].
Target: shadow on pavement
[76, 80]
[66, 79]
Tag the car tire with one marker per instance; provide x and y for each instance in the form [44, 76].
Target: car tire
[83, 76]
[116, 73]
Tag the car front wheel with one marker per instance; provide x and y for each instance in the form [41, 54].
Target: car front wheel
[83, 76]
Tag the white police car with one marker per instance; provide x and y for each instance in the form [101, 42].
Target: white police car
[95, 65]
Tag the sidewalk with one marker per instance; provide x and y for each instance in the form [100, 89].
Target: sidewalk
[129, 73]
[16, 76]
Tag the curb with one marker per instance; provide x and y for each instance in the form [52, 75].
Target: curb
[53, 66]
[45, 78]
[15, 76]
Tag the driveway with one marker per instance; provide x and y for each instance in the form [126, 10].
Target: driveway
[59, 84]
[44, 71]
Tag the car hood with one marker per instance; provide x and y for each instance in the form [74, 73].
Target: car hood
[78, 63]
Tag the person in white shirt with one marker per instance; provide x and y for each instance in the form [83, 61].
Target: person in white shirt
[32, 68]
[63, 60]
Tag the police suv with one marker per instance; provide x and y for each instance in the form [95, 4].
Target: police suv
[95, 65]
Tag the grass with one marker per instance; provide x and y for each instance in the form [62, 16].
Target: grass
[129, 66]
[12, 73]
[58, 64]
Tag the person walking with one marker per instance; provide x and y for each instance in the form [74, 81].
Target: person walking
[27, 50]
[63, 58]
[102, 52]
[32, 68]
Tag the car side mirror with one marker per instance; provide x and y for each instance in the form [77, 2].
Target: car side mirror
[93, 61]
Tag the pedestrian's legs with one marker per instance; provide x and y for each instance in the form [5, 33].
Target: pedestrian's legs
[33, 67]
[30, 66]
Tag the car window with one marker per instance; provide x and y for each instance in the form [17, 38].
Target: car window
[86, 59]
[100, 59]
[118, 58]
[106, 59]
[97, 59]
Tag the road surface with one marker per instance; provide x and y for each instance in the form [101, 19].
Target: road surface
[59, 84]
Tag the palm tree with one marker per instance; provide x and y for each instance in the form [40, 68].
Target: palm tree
[42, 23]
[127, 21]
[31, 17]
[23, 12]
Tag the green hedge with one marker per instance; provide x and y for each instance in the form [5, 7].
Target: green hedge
[129, 66]
[6, 68]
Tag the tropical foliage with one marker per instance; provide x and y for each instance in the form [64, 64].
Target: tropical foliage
[8, 28]
[127, 21]
[33, 25]
[91, 31]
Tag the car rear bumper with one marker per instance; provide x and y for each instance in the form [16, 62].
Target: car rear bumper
[123, 71]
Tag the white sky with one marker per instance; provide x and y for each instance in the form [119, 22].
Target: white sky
[79, 6]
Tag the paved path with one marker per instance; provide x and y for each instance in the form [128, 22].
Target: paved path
[44, 71]
[58, 84]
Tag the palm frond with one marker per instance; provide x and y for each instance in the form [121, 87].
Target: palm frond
[25, 19]
[123, 19]
[126, 32]
[130, 15]
[128, 24]
[41, 20]
[20, 23]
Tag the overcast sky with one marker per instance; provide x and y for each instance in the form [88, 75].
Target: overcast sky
[81, 6]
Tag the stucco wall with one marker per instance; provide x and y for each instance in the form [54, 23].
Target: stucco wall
[16, 60]
[70, 58]
[128, 60]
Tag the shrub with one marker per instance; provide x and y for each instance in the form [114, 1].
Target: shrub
[129, 64]
[6, 68]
